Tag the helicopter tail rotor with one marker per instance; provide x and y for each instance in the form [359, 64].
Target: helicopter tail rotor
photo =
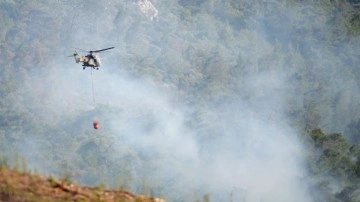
[73, 55]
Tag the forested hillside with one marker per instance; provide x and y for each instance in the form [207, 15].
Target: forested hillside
[214, 100]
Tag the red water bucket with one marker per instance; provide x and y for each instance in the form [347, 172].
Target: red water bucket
[96, 125]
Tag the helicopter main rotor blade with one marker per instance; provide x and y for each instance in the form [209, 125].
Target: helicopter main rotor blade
[101, 50]
[81, 50]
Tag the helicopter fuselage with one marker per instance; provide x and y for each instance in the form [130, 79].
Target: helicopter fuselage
[89, 61]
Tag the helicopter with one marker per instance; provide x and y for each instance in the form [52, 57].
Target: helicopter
[89, 60]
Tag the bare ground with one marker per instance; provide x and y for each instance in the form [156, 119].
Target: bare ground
[18, 186]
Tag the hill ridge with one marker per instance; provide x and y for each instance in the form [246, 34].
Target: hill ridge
[16, 186]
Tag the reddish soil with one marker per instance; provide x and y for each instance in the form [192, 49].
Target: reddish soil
[17, 186]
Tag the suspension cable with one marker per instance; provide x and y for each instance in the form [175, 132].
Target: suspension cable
[92, 85]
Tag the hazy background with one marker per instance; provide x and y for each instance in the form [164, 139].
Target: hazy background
[206, 97]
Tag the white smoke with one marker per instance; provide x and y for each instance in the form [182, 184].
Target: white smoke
[255, 157]
[238, 150]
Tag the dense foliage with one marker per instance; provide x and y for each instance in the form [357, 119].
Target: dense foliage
[294, 62]
[335, 165]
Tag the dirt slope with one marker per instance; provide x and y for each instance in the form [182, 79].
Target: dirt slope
[24, 187]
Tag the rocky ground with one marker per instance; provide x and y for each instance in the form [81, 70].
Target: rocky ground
[18, 186]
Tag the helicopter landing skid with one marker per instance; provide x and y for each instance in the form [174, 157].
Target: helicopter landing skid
[97, 68]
